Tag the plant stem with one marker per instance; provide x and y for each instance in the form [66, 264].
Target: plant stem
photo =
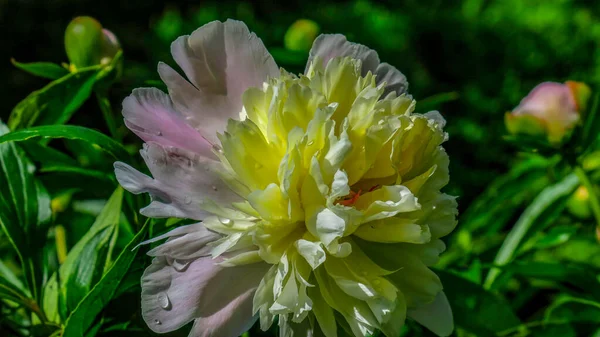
[587, 183]
[107, 112]
[543, 201]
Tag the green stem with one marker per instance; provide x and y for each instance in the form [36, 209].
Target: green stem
[587, 183]
[543, 201]
[108, 114]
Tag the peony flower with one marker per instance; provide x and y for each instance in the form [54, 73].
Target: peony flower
[318, 194]
[551, 110]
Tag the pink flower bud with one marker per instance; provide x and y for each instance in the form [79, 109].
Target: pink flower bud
[551, 109]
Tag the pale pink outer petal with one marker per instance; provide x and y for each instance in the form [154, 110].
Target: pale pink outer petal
[547, 96]
[185, 243]
[222, 60]
[150, 114]
[436, 316]
[328, 46]
[219, 298]
[182, 181]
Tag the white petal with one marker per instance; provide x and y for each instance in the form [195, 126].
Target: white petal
[436, 316]
[182, 181]
[328, 46]
[222, 60]
[220, 298]
[150, 114]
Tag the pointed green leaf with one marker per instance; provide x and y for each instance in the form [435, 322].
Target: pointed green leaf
[74, 132]
[84, 315]
[86, 261]
[56, 102]
[24, 209]
[42, 69]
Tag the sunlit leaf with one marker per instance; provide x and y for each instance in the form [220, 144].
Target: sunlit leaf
[74, 132]
[87, 260]
[55, 103]
[545, 202]
[24, 210]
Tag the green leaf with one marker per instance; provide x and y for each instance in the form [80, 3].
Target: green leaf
[497, 204]
[475, 309]
[572, 309]
[78, 171]
[73, 132]
[84, 315]
[24, 210]
[10, 286]
[577, 276]
[545, 201]
[56, 102]
[86, 261]
[42, 69]
[555, 236]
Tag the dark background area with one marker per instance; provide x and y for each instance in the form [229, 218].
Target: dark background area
[486, 55]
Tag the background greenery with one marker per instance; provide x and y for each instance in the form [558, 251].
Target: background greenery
[473, 60]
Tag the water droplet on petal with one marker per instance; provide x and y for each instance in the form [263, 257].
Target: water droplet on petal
[157, 322]
[376, 282]
[225, 221]
[214, 188]
[258, 166]
[381, 122]
[180, 266]
[187, 200]
[389, 202]
[164, 301]
[158, 133]
[310, 143]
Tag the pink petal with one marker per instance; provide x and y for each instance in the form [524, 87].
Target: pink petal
[545, 97]
[150, 114]
[436, 316]
[182, 181]
[328, 46]
[176, 293]
[221, 60]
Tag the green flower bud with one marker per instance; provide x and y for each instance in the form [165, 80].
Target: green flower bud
[300, 35]
[88, 44]
[578, 203]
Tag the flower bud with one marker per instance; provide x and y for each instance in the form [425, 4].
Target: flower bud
[578, 203]
[300, 35]
[551, 110]
[88, 44]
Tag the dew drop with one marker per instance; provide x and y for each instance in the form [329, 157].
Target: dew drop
[214, 188]
[187, 200]
[180, 266]
[389, 202]
[381, 122]
[310, 143]
[376, 282]
[258, 166]
[164, 301]
[157, 322]
[225, 221]
[158, 133]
